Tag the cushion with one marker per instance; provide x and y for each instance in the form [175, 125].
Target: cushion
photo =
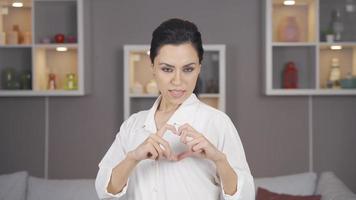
[13, 186]
[263, 194]
[296, 184]
[332, 188]
[42, 189]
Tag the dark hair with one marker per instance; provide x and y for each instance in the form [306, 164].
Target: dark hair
[176, 31]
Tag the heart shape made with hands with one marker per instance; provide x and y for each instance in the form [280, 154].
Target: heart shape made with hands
[174, 141]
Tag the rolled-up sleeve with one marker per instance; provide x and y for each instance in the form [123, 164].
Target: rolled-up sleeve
[112, 158]
[230, 144]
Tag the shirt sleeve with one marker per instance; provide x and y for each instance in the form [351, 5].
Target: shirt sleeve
[230, 144]
[111, 159]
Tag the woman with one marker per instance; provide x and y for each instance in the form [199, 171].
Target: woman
[181, 148]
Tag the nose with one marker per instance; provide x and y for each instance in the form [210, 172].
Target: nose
[177, 78]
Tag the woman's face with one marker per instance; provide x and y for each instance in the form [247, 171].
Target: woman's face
[176, 69]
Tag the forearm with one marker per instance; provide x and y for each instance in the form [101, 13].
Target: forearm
[227, 175]
[120, 174]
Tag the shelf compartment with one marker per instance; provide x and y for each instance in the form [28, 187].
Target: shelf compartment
[11, 16]
[327, 7]
[304, 59]
[210, 100]
[48, 60]
[303, 12]
[55, 17]
[18, 60]
[347, 62]
[208, 81]
[140, 71]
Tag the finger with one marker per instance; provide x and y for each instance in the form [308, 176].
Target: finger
[166, 127]
[200, 146]
[164, 145]
[157, 148]
[194, 142]
[183, 155]
[185, 126]
[187, 136]
[192, 132]
[152, 153]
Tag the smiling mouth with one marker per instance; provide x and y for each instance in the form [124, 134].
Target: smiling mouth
[176, 93]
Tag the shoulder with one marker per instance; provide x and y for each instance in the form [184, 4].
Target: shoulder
[136, 119]
[212, 113]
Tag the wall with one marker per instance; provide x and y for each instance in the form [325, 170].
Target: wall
[274, 130]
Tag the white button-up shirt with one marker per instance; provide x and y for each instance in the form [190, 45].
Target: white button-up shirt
[191, 178]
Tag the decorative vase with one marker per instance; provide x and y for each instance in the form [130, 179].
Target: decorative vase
[290, 76]
[59, 38]
[152, 87]
[9, 79]
[289, 30]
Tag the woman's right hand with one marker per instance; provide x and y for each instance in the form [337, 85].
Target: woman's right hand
[155, 147]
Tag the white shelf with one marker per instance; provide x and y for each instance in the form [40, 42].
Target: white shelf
[37, 18]
[20, 93]
[293, 44]
[310, 92]
[53, 46]
[16, 46]
[311, 56]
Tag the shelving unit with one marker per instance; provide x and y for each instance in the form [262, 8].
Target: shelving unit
[296, 33]
[138, 72]
[39, 21]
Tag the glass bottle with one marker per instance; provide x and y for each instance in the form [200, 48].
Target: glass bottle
[51, 81]
[26, 80]
[335, 73]
[337, 25]
[70, 81]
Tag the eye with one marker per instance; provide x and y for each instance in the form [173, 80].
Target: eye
[188, 69]
[167, 69]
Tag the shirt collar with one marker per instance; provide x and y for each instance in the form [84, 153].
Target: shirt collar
[184, 114]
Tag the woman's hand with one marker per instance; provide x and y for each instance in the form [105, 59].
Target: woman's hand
[155, 147]
[198, 145]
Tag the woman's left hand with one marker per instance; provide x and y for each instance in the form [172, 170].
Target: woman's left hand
[198, 145]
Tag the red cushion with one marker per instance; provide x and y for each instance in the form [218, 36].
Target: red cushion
[263, 194]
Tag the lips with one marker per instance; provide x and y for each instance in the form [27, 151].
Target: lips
[176, 93]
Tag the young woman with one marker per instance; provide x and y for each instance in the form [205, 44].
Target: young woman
[181, 148]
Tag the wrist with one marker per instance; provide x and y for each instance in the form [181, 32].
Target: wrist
[220, 159]
[131, 157]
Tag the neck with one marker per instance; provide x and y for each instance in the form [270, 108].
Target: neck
[165, 106]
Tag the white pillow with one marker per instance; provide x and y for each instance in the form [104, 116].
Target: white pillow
[332, 188]
[296, 184]
[13, 186]
[42, 189]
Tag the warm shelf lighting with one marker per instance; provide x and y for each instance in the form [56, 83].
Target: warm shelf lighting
[148, 52]
[288, 2]
[336, 47]
[61, 49]
[17, 4]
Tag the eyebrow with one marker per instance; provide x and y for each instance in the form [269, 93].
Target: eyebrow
[168, 65]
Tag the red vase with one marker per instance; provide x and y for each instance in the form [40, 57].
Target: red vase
[290, 76]
[59, 38]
